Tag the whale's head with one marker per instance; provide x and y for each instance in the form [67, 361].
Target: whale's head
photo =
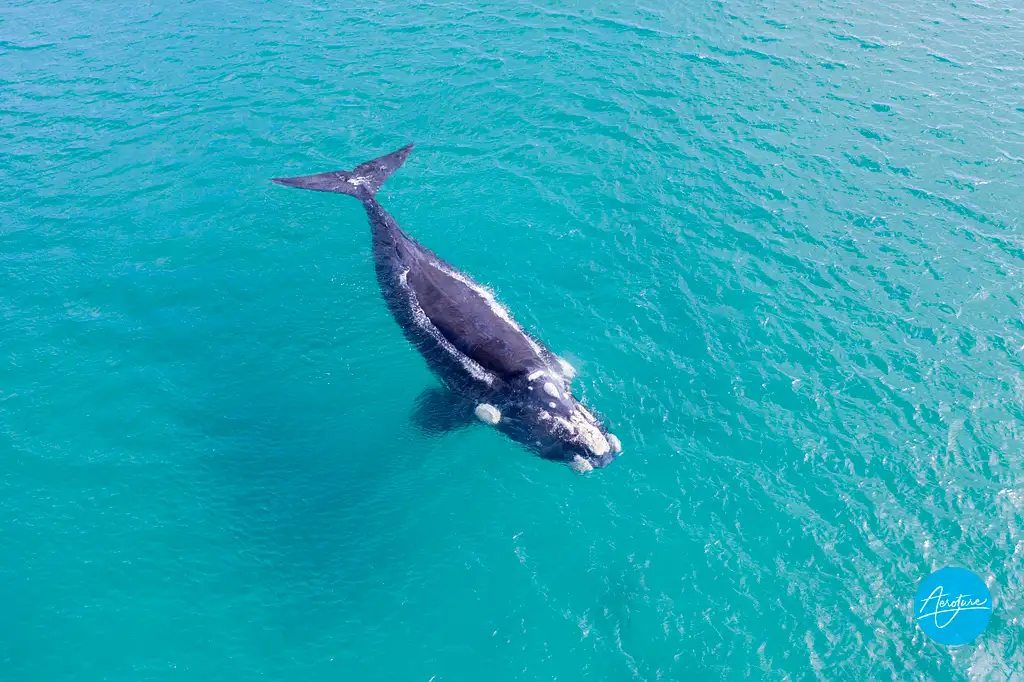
[548, 418]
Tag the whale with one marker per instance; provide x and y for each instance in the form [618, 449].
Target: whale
[501, 374]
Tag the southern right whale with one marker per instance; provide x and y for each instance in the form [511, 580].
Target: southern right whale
[469, 340]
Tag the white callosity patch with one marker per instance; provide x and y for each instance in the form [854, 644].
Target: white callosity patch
[564, 428]
[497, 308]
[471, 366]
[489, 414]
[581, 426]
[578, 429]
[581, 465]
[614, 442]
[590, 434]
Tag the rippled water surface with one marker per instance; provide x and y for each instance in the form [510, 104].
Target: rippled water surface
[782, 243]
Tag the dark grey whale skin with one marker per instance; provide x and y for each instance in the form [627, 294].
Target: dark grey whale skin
[416, 283]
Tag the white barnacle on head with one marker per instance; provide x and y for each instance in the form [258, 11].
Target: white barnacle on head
[580, 465]
[565, 427]
[535, 374]
[596, 442]
[614, 442]
[589, 435]
[550, 389]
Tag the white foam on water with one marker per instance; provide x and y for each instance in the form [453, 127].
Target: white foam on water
[568, 371]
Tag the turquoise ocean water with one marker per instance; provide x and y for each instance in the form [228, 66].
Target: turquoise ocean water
[782, 242]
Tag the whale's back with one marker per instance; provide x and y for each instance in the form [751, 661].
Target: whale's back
[472, 321]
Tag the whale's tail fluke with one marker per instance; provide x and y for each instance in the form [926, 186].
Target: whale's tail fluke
[362, 182]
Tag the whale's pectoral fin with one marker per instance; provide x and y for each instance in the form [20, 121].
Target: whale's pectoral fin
[439, 411]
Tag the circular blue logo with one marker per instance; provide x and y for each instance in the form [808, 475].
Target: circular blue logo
[953, 606]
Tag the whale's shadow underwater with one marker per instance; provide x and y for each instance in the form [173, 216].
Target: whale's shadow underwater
[490, 367]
